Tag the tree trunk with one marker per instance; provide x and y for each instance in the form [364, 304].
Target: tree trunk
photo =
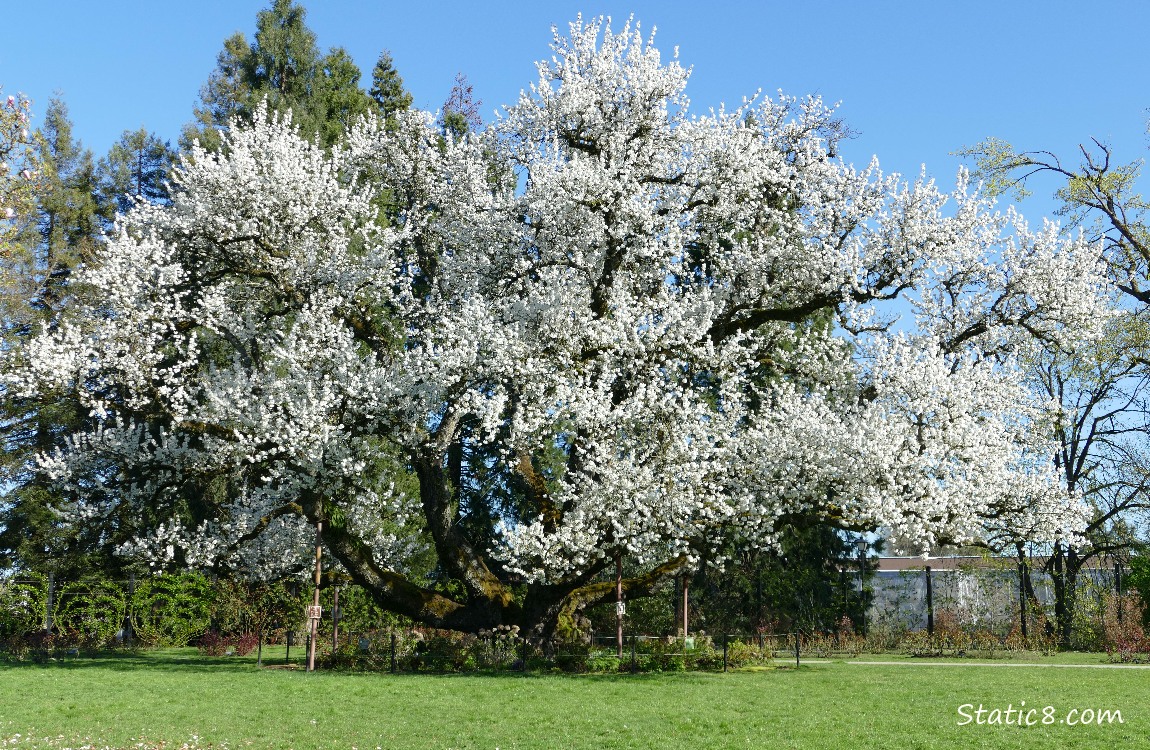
[1073, 566]
[1065, 580]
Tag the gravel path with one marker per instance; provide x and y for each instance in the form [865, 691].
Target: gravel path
[995, 664]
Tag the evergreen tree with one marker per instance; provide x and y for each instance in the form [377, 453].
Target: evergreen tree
[69, 222]
[284, 60]
[283, 67]
[222, 97]
[64, 232]
[19, 172]
[338, 100]
[136, 168]
[387, 87]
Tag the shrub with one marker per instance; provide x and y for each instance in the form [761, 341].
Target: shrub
[170, 610]
[1125, 637]
[212, 644]
[603, 662]
[246, 643]
[90, 613]
[37, 646]
[22, 605]
[740, 654]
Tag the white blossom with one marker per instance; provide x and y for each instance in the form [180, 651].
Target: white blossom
[601, 273]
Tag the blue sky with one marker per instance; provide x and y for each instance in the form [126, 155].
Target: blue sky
[917, 80]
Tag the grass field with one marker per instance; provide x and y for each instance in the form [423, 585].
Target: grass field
[174, 696]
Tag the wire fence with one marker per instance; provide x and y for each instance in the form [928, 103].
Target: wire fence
[41, 617]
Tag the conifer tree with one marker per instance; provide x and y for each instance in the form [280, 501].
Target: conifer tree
[338, 101]
[387, 87]
[135, 168]
[284, 67]
[222, 97]
[62, 231]
[68, 218]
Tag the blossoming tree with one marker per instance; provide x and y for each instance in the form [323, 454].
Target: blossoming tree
[604, 328]
[17, 179]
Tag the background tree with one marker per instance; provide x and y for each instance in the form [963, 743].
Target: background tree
[19, 174]
[63, 231]
[282, 66]
[136, 168]
[339, 100]
[1100, 425]
[1099, 194]
[460, 111]
[1101, 390]
[387, 89]
[69, 222]
[222, 98]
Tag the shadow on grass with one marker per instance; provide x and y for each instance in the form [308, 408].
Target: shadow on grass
[132, 661]
[189, 661]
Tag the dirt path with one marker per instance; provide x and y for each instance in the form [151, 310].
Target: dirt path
[994, 664]
[870, 663]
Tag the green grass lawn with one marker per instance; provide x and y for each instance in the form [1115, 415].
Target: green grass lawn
[175, 695]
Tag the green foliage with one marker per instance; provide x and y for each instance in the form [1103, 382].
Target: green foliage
[358, 611]
[995, 164]
[137, 167]
[93, 610]
[283, 67]
[69, 222]
[23, 605]
[387, 89]
[1139, 579]
[170, 610]
[222, 97]
[338, 99]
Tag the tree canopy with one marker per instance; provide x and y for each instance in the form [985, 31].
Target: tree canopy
[282, 68]
[603, 327]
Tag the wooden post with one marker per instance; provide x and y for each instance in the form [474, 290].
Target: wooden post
[315, 610]
[1022, 597]
[393, 664]
[619, 604]
[128, 635]
[51, 603]
[929, 604]
[1118, 588]
[686, 606]
[335, 620]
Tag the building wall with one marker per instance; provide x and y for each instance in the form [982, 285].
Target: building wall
[975, 597]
